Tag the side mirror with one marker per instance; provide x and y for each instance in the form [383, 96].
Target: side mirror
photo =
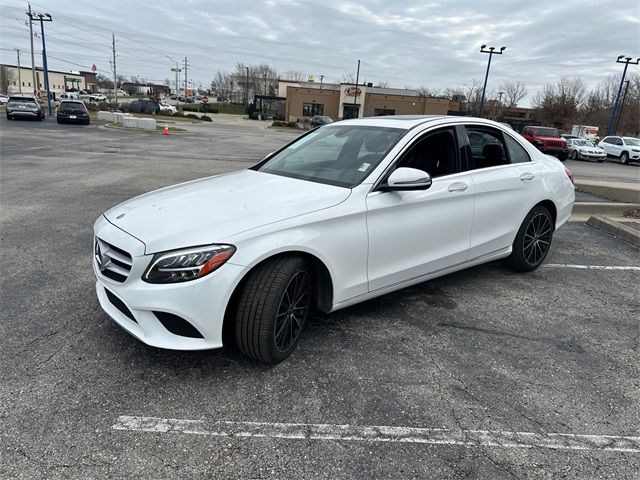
[405, 178]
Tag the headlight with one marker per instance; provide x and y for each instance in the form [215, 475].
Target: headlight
[187, 264]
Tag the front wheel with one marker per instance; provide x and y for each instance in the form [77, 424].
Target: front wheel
[533, 240]
[624, 158]
[273, 307]
[574, 155]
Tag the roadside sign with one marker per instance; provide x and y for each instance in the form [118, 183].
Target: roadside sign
[205, 99]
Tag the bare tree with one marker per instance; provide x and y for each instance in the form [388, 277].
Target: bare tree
[293, 76]
[558, 104]
[222, 85]
[104, 82]
[348, 78]
[384, 84]
[7, 77]
[472, 94]
[514, 92]
[167, 82]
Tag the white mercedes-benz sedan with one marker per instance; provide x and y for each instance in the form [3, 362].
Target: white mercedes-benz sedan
[342, 214]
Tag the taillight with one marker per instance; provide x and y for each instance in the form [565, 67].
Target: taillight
[569, 174]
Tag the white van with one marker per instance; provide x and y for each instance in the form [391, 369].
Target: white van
[68, 96]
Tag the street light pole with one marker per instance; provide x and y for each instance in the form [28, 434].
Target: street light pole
[612, 121]
[624, 97]
[491, 51]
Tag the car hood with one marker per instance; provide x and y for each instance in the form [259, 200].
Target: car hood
[546, 139]
[589, 149]
[212, 209]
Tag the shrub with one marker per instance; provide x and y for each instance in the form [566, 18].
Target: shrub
[279, 124]
[206, 119]
[292, 124]
[179, 113]
[192, 115]
[190, 107]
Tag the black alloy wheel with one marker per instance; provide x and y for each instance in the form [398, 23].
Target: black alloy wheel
[537, 238]
[292, 312]
[574, 155]
[273, 304]
[532, 241]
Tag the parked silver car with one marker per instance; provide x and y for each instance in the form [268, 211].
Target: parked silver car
[581, 149]
[24, 106]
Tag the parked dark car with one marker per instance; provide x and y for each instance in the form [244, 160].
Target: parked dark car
[320, 120]
[138, 106]
[73, 111]
[24, 106]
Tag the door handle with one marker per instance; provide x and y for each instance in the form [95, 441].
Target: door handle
[527, 176]
[458, 187]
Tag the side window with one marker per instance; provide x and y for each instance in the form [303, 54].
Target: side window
[487, 147]
[435, 153]
[517, 153]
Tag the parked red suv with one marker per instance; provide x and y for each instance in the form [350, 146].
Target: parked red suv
[548, 141]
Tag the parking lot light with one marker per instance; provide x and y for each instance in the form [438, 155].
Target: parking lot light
[491, 51]
[611, 127]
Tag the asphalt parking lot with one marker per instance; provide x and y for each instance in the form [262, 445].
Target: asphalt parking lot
[481, 374]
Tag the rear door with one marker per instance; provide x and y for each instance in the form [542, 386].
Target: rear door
[414, 233]
[505, 179]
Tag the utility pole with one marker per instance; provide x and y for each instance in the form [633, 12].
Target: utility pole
[612, 121]
[355, 92]
[19, 72]
[321, 78]
[115, 77]
[246, 85]
[33, 61]
[45, 17]
[491, 52]
[186, 85]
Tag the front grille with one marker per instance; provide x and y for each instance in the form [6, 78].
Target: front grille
[113, 262]
[119, 304]
[554, 143]
[177, 325]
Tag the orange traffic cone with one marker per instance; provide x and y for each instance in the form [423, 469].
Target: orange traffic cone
[166, 129]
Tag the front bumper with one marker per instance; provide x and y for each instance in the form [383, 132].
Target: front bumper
[592, 156]
[202, 303]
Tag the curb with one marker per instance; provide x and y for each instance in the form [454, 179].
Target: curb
[618, 192]
[616, 229]
[584, 210]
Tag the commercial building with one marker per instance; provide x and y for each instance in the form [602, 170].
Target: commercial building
[20, 80]
[343, 101]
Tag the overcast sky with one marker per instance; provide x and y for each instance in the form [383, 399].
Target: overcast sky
[405, 43]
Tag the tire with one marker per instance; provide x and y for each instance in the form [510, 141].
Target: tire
[59, 121]
[40, 118]
[600, 161]
[88, 122]
[273, 307]
[533, 240]
[624, 158]
[9, 117]
[574, 155]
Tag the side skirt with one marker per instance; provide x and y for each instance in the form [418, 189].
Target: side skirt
[502, 253]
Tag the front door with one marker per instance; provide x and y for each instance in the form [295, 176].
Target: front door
[350, 111]
[414, 233]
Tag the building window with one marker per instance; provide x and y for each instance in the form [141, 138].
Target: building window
[312, 109]
[383, 111]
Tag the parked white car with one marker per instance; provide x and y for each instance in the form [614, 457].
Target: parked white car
[4, 99]
[97, 97]
[581, 149]
[625, 149]
[166, 108]
[344, 213]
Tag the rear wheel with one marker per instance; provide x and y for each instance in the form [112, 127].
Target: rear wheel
[273, 307]
[9, 117]
[624, 158]
[533, 240]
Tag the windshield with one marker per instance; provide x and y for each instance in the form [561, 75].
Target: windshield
[547, 132]
[632, 141]
[341, 155]
[581, 143]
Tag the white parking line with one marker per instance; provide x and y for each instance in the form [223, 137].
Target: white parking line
[590, 267]
[354, 433]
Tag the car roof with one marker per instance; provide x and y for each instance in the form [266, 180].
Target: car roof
[408, 122]
[22, 95]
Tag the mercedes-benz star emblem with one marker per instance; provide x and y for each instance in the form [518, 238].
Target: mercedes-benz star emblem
[103, 260]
